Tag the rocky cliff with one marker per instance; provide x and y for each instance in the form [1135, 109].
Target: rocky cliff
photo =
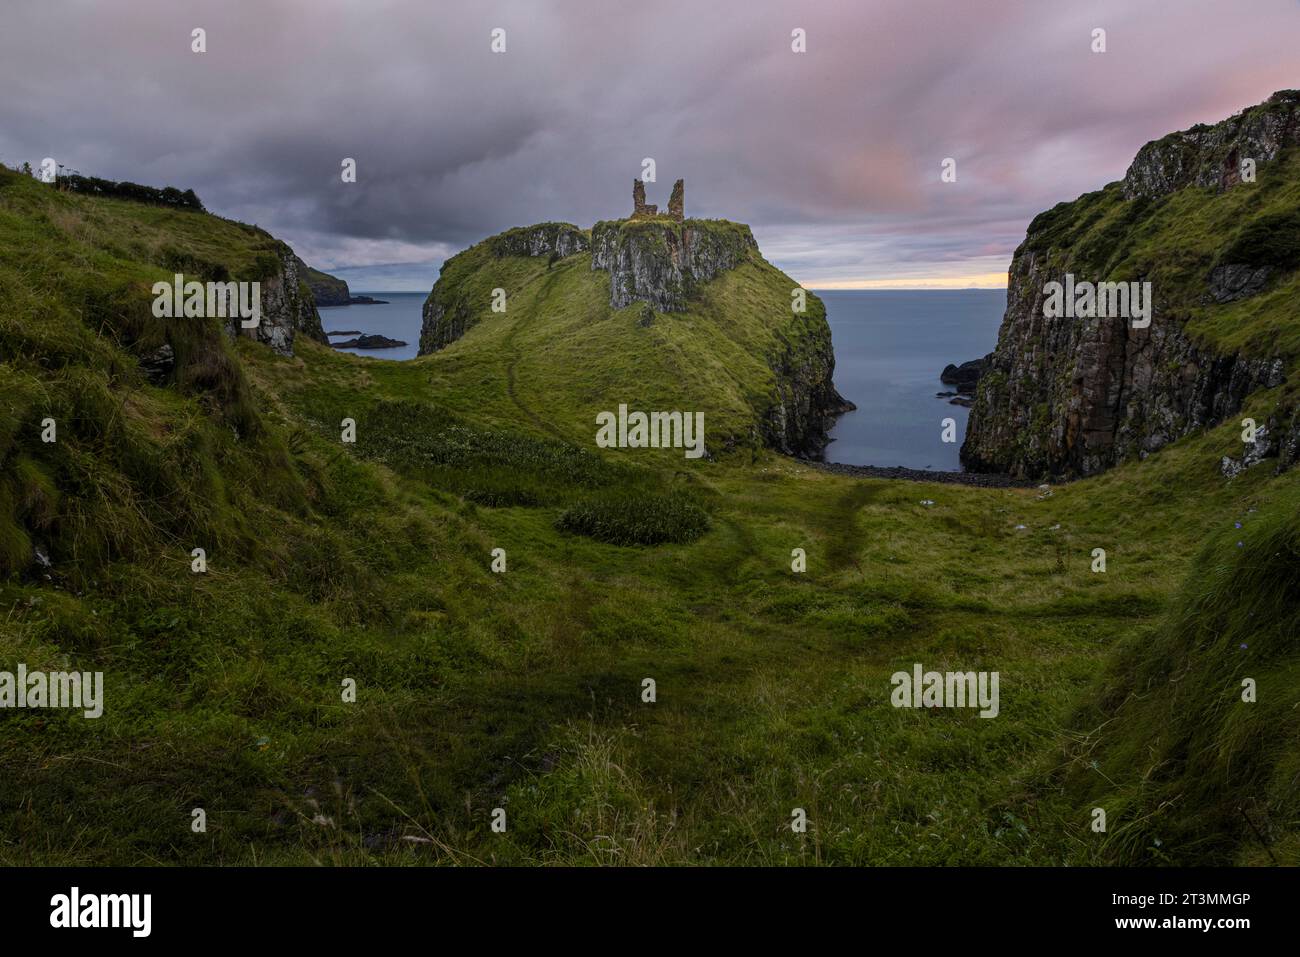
[450, 311]
[661, 262]
[805, 402]
[1074, 396]
[288, 307]
[1211, 156]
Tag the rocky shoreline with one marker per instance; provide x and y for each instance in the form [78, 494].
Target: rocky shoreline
[978, 479]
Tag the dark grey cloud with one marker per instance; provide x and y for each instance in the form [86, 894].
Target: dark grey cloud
[833, 156]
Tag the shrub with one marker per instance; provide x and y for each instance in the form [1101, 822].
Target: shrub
[492, 467]
[636, 519]
[167, 196]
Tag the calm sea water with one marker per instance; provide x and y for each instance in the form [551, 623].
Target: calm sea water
[889, 350]
[398, 319]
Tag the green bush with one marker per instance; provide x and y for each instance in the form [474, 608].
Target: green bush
[636, 519]
[492, 467]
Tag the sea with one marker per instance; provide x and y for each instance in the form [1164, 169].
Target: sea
[890, 347]
[397, 318]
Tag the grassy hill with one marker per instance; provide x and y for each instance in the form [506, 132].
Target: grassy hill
[523, 689]
[734, 348]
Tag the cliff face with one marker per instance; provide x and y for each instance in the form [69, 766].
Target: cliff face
[546, 239]
[449, 311]
[1211, 155]
[287, 307]
[662, 262]
[806, 403]
[1071, 396]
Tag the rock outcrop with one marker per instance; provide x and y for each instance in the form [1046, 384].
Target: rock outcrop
[545, 239]
[365, 341]
[1074, 396]
[448, 315]
[1237, 281]
[806, 401]
[287, 307]
[965, 376]
[1212, 155]
[663, 263]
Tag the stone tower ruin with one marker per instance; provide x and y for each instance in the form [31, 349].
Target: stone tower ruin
[639, 208]
[676, 201]
[643, 210]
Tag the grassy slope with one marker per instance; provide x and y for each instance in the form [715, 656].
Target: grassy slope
[558, 320]
[522, 690]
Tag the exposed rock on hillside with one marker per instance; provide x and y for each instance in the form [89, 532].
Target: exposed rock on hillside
[287, 308]
[546, 239]
[1238, 281]
[806, 403]
[447, 314]
[1212, 155]
[663, 262]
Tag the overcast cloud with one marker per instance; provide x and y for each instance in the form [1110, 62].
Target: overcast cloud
[833, 156]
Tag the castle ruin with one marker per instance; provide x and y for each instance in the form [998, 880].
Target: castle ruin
[643, 210]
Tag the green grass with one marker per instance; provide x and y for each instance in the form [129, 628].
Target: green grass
[636, 518]
[523, 689]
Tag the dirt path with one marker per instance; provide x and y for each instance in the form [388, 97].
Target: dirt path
[512, 357]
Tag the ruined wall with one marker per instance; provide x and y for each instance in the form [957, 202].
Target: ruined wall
[641, 209]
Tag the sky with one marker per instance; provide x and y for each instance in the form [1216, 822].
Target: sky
[833, 155]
